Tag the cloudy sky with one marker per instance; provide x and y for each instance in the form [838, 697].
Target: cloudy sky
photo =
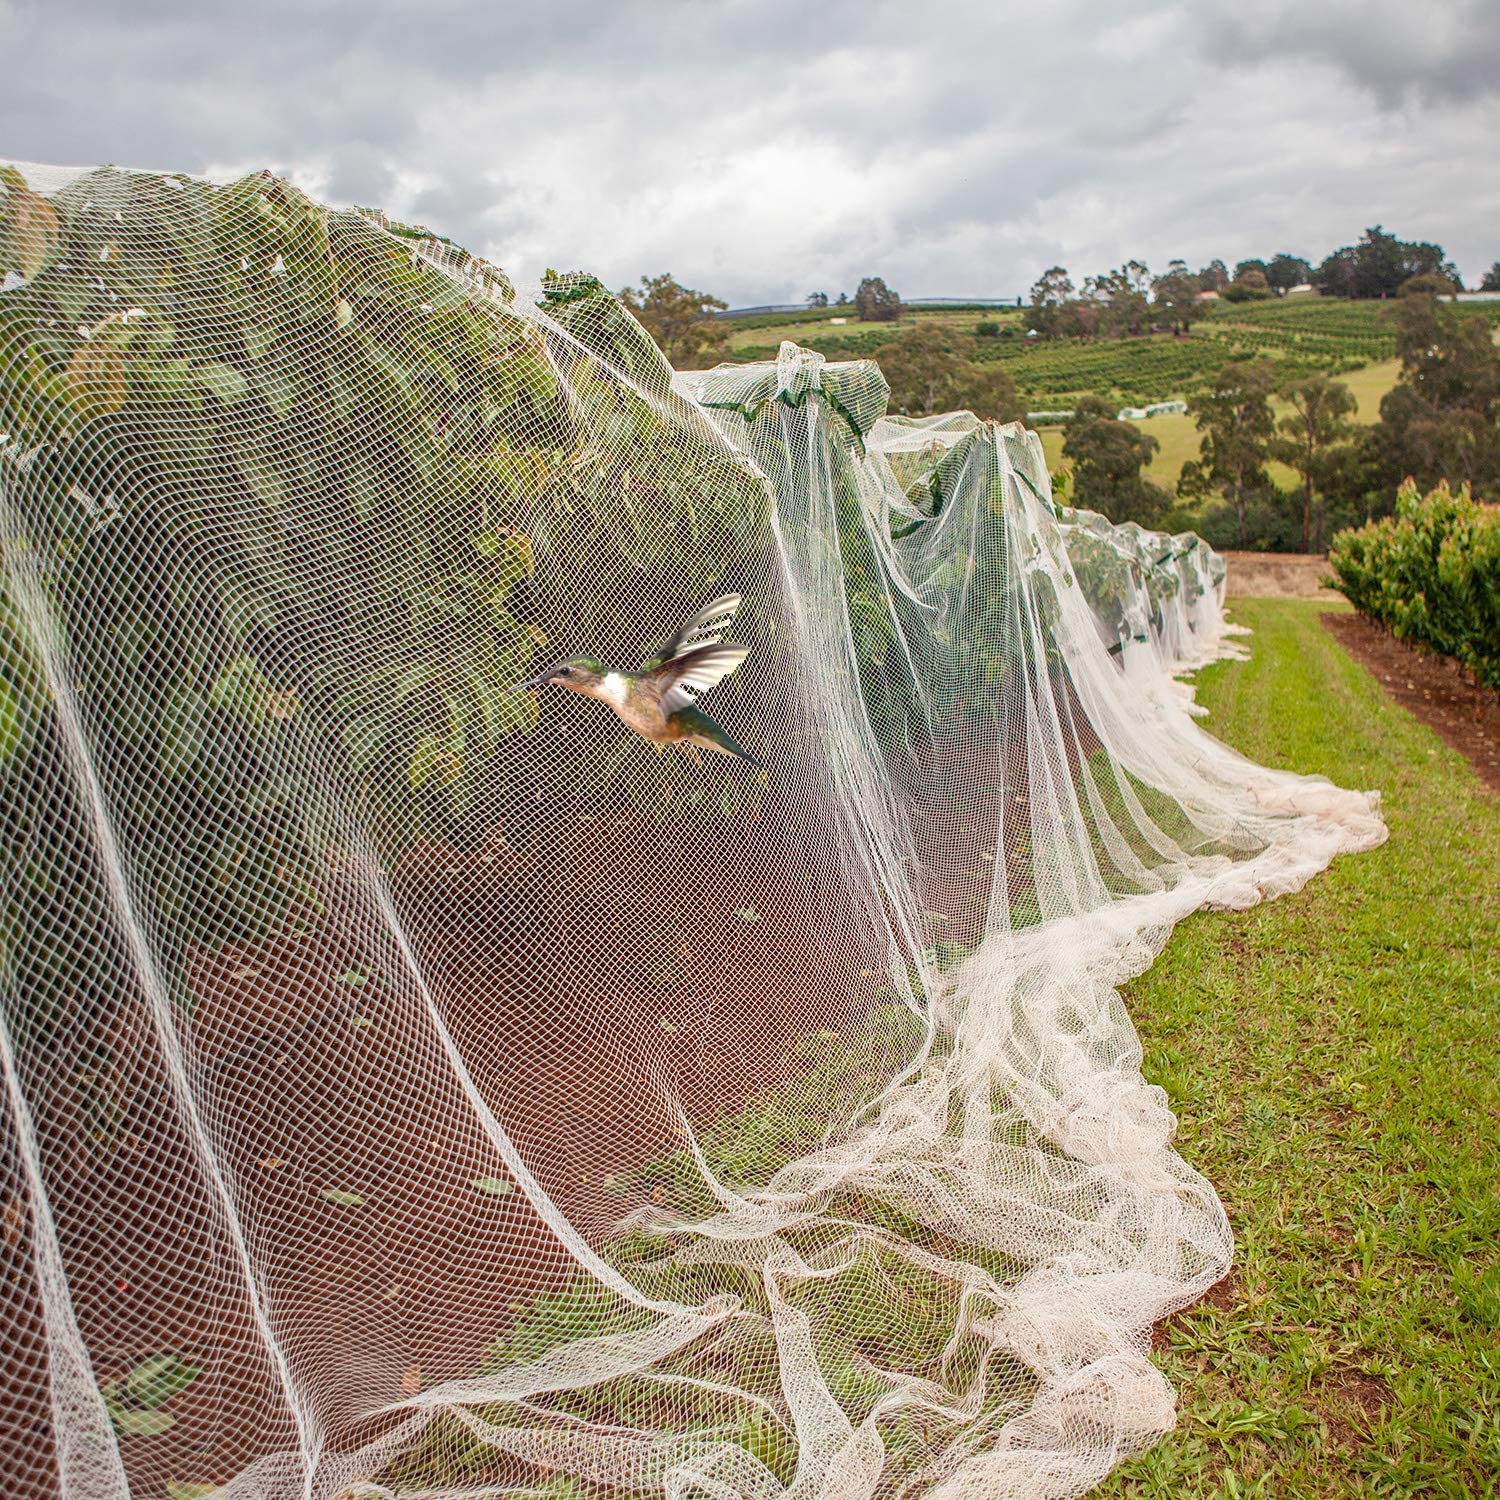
[763, 149]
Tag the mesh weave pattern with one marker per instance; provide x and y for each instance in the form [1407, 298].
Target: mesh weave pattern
[420, 1082]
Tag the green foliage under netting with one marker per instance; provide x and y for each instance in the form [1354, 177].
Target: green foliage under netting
[976, 643]
[1107, 577]
[1431, 572]
[189, 379]
[153, 481]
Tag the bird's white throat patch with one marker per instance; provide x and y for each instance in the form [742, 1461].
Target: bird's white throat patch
[613, 689]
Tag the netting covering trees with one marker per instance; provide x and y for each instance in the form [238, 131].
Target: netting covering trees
[418, 1082]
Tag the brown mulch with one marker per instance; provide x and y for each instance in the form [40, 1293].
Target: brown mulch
[1434, 688]
[1277, 575]
[1223, 1296]
[1359, 1401]
[621, 978]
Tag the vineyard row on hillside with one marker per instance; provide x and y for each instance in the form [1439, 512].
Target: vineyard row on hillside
[1323, 336]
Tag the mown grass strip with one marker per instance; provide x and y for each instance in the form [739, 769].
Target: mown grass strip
[1333, 1057]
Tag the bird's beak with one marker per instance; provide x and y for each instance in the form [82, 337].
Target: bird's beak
[532, 684]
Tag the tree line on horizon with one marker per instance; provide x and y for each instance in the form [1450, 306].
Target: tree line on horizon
[1128, 300]
[1377, 265]
[1122, 302]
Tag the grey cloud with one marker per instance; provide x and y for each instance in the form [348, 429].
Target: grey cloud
[1433, 53]
[762, 149]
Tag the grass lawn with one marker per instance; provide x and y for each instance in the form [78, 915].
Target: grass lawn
[797, 331]
[1335, 1060]
[1370, 383]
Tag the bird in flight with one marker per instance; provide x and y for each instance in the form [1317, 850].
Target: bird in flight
[659, 702]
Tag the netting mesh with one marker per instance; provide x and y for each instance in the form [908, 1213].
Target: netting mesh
[456, 1044]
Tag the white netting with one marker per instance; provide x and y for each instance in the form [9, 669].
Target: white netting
[419, 1083]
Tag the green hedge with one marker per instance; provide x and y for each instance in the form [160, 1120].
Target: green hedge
[1431, 573]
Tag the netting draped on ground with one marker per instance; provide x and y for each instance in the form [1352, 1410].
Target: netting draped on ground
[561, 923]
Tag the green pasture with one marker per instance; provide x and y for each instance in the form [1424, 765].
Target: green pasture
[1334, 1059]
[805, 329]
[1179, 438]
[1353, 341]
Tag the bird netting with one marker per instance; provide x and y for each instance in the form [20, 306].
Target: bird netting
[561, 925]
[1146, 588]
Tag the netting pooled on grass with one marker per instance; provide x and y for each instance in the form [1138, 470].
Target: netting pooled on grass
[561, 924]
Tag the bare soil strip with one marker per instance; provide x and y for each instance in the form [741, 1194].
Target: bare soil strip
[1434, 688]
[1277, 575]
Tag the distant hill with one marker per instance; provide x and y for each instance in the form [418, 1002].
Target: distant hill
[1304, 333]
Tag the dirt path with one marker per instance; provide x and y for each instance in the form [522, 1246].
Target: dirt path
[1277, 575]
[1433, 687]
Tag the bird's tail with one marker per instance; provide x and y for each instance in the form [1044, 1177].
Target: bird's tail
[737, 750]
[722, 742]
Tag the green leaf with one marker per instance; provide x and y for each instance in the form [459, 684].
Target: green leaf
[179, 1490]
[365, 487]
[354, 976]
[265, 483]
[223, 381]
[156, 1380]
[182, 729]
[165, 379]
[241, 687]
[512, 552]
[423, 762]
[341, 1197]
[279, 390]
[12, 723]
[363, 741]
[130, 1423]
[493, 1187]
[259, 341]
[747, 913]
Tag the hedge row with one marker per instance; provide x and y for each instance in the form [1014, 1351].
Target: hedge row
[1431, 572]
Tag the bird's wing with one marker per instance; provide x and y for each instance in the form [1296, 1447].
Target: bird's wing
[706, 628]
[680, 680]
